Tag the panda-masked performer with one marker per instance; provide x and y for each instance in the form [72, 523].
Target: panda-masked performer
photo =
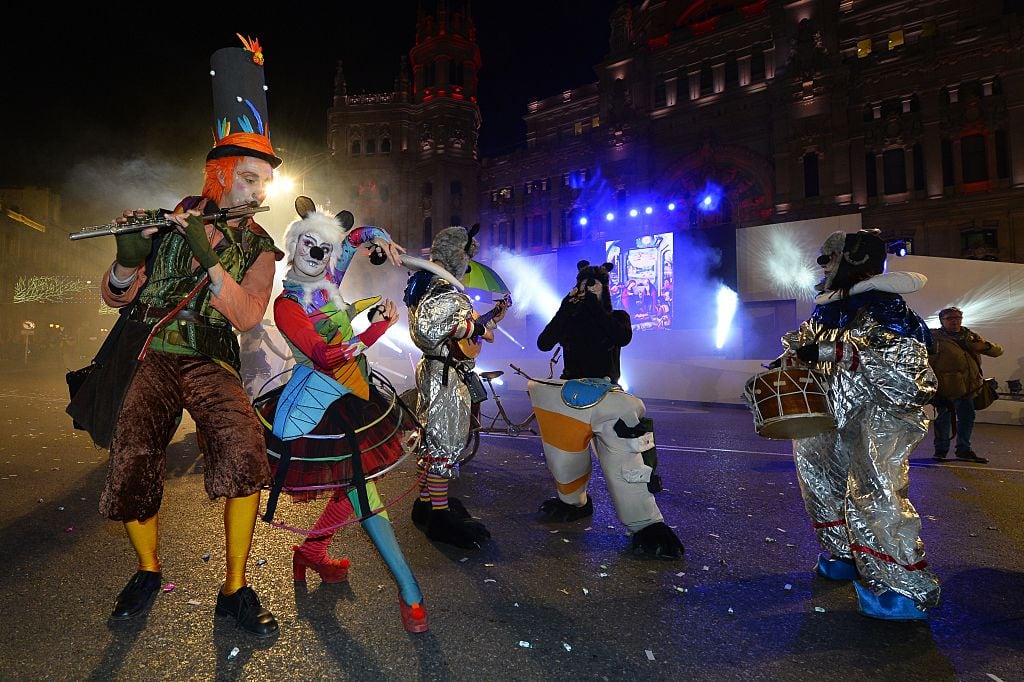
[588, 406]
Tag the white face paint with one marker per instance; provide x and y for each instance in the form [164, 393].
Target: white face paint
[312, 254]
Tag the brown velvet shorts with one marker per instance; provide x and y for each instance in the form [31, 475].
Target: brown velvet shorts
[234, 450]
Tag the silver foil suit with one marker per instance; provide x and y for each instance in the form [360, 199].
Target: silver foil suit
[854, 479]
[444, 406]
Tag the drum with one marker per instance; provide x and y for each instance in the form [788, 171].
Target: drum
[789, 402]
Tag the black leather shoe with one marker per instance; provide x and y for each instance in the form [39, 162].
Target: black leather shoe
[970, 456]
[244, 607]
[136, 595]
[940, 455]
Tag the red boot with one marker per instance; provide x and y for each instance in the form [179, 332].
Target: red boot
[330, 570]
[414, 618]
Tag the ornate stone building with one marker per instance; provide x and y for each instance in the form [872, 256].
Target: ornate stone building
[720, 114]
[408, 159]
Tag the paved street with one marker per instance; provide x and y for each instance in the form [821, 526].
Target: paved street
[539, 602]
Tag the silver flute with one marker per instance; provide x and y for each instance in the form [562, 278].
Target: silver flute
[156, 218]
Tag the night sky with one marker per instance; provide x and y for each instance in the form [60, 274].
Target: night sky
[137, 90]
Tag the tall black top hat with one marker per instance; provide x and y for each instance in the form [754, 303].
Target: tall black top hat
[240, 123]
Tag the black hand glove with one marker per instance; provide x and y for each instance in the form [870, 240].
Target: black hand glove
[132, 249]
[195, 235]
[808, 353]
[478, 329]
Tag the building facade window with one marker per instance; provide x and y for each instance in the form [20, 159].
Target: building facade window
[385, 145]
[863, 48]
[456, 73]
[812, 186]
[357, 147]
[974, 159]
[973, 240]
[1002, 155]
[428, 231]
[919, 180]
[371, 146]
[871, 174]
[456, 188]
[660, 91]
[428, 189]
[894, 169]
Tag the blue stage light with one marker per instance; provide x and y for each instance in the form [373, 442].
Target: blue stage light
[633, 213]
[609, 216]
[648, 210]
[672, 206]
[583, 220]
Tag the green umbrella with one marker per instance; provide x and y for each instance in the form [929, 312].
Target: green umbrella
[481, 276]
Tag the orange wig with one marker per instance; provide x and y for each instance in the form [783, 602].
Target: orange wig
[224, 167]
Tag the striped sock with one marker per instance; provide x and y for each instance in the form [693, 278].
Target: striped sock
[437, 486]
[424, 492]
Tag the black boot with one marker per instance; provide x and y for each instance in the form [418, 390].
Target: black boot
[447, 526]
[136, 595]
[244, 607]
[658, 541]
[420, 512]
[654, 485]
[556, 510]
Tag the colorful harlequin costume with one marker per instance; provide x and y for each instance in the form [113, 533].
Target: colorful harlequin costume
[333, 428]
[440, 313]
[192, 361]
[588, 407]
[873, 349]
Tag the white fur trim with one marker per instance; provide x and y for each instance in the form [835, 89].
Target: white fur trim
[890, 282]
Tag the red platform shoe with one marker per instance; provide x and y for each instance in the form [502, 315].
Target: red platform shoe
[330, 570]
[414, 618]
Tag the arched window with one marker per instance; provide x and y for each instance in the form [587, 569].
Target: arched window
[356, 147]
[371, 146]
[385, 145]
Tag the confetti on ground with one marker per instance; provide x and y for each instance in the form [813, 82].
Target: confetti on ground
[526, 645]
[680, 574]
[730, 610]
[993, 677]
[261, 562]
[463, 559]
[69, 529]
[780, 530]
[611, 527]
[234, 652]
[490, 580]
[790, 544]
[650, 654]
[602, 575]
[819, 609]
[585, 591]
[681, 590]
[515, 604]
[194, 602]
[770, 540]
[589, 528]
[552, 531]
[206, 557]
[567, 646]
[715, 535]
[60, 508]
[564, 591]
[705, 568]
[973, 535]
[489, 565]
[565, 539]
[169, 587]
[787, 586]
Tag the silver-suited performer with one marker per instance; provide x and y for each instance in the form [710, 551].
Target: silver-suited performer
[440, 314]
[873, 350]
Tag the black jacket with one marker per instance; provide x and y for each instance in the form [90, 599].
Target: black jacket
[591, 337]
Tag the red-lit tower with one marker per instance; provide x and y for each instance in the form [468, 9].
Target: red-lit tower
[445, 67]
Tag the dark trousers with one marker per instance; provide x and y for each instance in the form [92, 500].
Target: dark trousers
[964, 426]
